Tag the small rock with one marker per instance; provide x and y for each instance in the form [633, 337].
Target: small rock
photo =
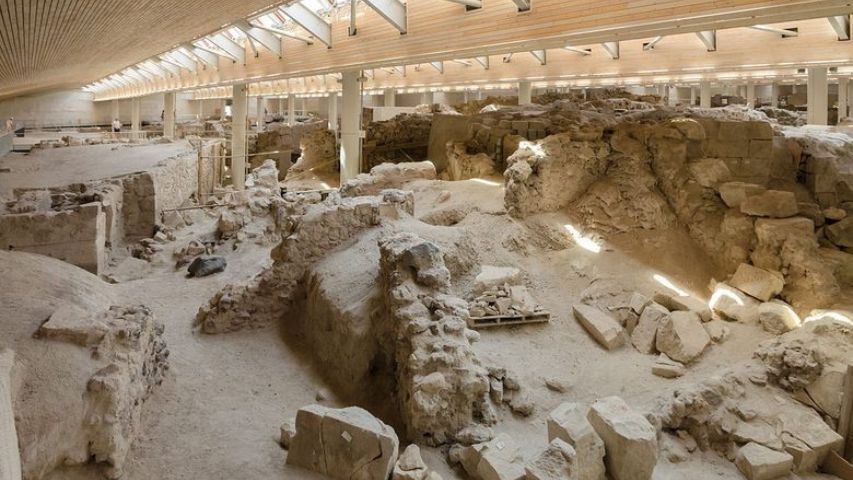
[204, 266]
[557, 385]
[673, 450]
[491, 277]
[522, 404]
[638, 303]
[410, 465]
[322, 395]
[498, 459]
[733, 305]
[717, 330]
[667, 368]
[288, 430]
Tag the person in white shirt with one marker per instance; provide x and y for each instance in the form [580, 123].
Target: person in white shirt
[10, 123]
[116, 126]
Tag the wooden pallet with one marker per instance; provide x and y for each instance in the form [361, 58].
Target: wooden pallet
[507, 320]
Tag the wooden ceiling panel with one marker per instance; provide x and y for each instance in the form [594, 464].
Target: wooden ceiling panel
[49, 44]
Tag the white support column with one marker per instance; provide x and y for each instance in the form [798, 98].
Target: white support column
[135, 124]
[390, 97]
[351, 125]
[169, 113]
[525, 93]
[774, 95]
[303, 105]
[750, 95]
[260, 118]
[692, 96]
[818, 96]
[673, 96]
[115, 110]
[281, 106]
[239, 121]
[849, 98]
[843, 100]
[291, 109]
[705, 94]
[427, 98]
[479, 94]
[466, 97]
[333, 111]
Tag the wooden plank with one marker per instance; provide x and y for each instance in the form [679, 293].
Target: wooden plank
[507, 320]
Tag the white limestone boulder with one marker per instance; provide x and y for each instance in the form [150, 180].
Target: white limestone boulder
[568, 422]
[733, 305]
[777, 317]
[758, 462]
[643, 336]
[685, 303]
[497, 459]
[343, 443]
[557, 462]
[758, 282]
[629, 439]
[682, 337]
[410, 465]
[601, 326]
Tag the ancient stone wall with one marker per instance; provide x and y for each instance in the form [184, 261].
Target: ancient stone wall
[310, 231]
[441, 387]
[10, 456]
[76, 235]
[168, 185]
[385, 141]
[387, 175]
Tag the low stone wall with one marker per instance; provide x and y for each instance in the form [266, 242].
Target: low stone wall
[76, 235]
[169, 185]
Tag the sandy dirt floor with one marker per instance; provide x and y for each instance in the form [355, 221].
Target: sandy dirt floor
[217, 415]
[61, 166]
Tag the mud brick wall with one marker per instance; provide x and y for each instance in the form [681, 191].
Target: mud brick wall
[76, 236]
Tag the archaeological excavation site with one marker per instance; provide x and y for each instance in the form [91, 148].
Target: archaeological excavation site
[426, 240]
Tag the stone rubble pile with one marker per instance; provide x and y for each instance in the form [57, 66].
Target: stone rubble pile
[387, 175]
[504, 300]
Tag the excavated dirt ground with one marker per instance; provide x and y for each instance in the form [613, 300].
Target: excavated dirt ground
[218, 412]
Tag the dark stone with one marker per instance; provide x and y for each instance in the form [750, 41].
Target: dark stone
[204, 266]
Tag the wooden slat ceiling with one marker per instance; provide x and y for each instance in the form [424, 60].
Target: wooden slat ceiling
[49, 44]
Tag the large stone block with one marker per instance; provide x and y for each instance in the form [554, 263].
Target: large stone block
[733, 305]
[557, 462]
[349, 443]
[568, 422]
[734, 193]
[682, 337]
[710, 172]
[491, 277]
[643, 336]
[841, 233]
[629, 439]
[601, 326]
[758, 282]
[497, 459]
[772, 203]
[685, 303]
[758, 462]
